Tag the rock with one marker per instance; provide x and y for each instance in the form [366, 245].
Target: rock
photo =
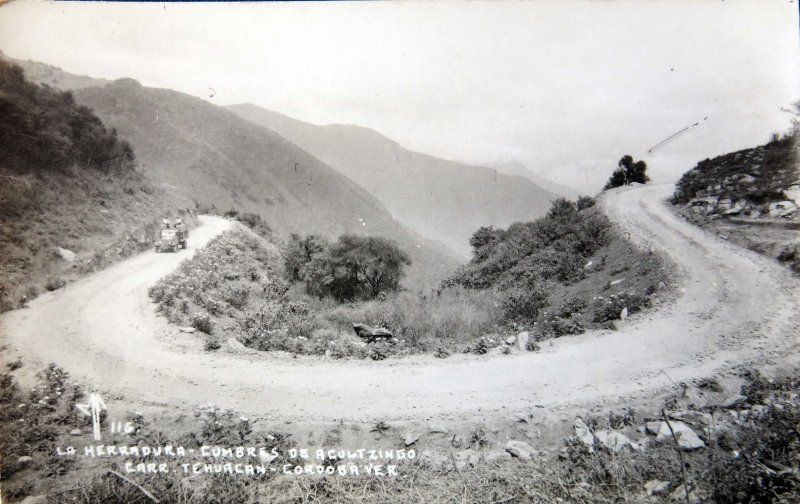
[498, 456]
[436, 428]
[520, 449]
[623, 314]
[411, 438]
[328, 354]
[35, 499]
[686, 437]
[25, 459]
[613, 440]
[793, 194]
[662, 286]
[186, 329]
[522, 341]
[65, 254]
[232, 345]
[679, 495]
[372, 334]
[583, 433]
[75, 432]
[704, 205]
[656, 487]
[652, 427]
[745, 182]
[734, 210]
[434, 459]
[759, 410]
[511, 340]
[466, 458]
[734, 401]
[782, 209]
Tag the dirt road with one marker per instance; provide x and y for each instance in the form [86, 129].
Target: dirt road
[733, 307]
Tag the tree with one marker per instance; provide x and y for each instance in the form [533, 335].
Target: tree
[483, 239]
[354, 267]
[371, 265]
[627, 173]
[300, 252]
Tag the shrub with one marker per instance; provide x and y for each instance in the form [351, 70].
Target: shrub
[585, 202]
[524, 303]
[527, 258]
[572, 305]
[54, 283]
[202, 322]
[611, 308]
[557, 327]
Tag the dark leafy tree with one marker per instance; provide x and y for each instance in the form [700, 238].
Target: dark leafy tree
[42, 128]
[300, 252]
[484, 239]
[354, 267]
[627, 173]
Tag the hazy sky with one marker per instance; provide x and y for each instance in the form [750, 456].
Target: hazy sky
[565, 87]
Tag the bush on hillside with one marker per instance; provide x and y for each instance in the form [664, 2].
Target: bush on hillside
[527, 258]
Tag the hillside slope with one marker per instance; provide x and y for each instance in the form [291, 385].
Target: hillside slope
[212, 156]
[71, 198]
[53, 76]
[750, 197]
[440, 199]
[516, 168]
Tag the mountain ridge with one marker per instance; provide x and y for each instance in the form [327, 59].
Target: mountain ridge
[204, 152]
[433, 196]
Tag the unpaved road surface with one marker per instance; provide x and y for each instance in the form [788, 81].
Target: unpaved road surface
[732, 307]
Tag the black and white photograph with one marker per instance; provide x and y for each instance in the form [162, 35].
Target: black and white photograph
[400, 252]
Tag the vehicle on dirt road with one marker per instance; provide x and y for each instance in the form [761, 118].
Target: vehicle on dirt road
[171, 239]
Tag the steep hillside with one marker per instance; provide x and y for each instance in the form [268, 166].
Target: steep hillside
[71, 199]
[751, 197]
[519, 169]
[212, 156]
[440, 199]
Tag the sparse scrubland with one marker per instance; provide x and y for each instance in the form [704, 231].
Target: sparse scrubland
[749, 197]
[71, 200]
[742, 448]
[562, 274]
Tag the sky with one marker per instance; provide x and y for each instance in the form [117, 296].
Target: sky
[566, 88]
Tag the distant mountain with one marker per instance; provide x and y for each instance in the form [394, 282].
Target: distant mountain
[213, 156]
[442, 200]
[519, 169]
